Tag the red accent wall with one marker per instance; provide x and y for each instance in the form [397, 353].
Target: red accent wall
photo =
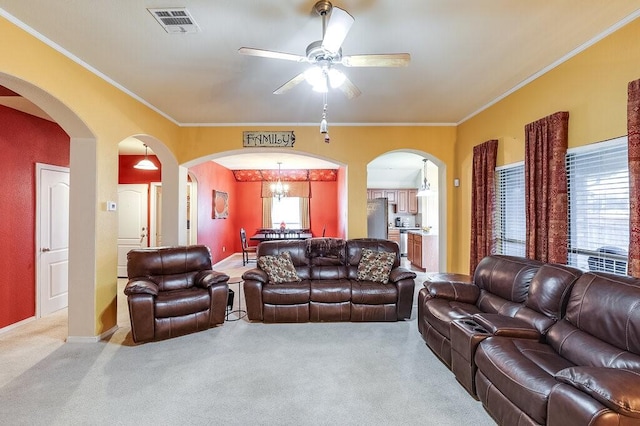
[24, 141]
[127, 174]
[217, 233]
[245, 209]
[323, 208]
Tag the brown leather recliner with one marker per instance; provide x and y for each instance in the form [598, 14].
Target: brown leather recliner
[173, 291]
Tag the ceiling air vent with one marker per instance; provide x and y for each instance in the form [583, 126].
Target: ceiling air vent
[175, 20]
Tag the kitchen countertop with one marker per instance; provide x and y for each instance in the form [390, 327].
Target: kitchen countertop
[419, 231]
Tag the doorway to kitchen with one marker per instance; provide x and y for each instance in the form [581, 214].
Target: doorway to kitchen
[406, 199]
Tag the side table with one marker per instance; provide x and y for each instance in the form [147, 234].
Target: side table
[240, 313]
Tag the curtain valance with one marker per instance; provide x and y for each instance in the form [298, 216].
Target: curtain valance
[296, 189]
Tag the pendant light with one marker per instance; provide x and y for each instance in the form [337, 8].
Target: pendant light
[145, 163]
[425, 189]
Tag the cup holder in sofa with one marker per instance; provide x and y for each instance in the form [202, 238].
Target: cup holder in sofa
[474, 326]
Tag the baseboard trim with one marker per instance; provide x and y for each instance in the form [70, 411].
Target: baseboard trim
[16, 325]
[93, 339]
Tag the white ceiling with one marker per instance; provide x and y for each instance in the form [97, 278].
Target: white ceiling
[464, 53]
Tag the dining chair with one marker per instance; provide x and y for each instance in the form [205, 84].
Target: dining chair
[246, 248]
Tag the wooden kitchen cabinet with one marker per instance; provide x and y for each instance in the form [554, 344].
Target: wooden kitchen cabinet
[402, 201]
[376, 193]
[391, 195]
[417, 250]
[412, 195]
[422, 251]
[410, 238]
[394, 235]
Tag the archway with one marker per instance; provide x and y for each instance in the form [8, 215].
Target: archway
[245, 200]
[82, 269]
[412, 169]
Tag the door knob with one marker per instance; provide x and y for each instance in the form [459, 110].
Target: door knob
[45, 249]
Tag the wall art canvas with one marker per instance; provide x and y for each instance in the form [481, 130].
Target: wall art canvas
[220, 208]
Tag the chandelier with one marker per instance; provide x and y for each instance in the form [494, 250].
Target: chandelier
[278, 189]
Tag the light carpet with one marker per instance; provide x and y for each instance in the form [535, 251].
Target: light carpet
[238, 373]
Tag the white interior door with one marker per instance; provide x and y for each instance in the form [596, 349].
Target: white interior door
[52, 247]
[132, 221]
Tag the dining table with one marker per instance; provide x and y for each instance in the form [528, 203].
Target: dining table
[272, 235]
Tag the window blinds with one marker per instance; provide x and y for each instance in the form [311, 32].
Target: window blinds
[598, 188]
[510, 226]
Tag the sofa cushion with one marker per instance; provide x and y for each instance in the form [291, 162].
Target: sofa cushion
[176, 303]
[375, 266]
[616, 388]
[279, 268]
[522, 370]
[330, 291]
[290, 293]
[372, 293]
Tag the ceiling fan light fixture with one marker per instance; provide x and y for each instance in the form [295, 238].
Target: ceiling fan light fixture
[336, 78]
[340, 23]
[317, 78]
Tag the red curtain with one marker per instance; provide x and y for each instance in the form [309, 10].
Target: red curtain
[546, 188]
[483, 201]
[633, 133]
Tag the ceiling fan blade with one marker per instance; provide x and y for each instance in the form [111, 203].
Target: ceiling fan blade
[350, 89]
[339, 25]
[289, 84]
[271, 54]
[380, 60]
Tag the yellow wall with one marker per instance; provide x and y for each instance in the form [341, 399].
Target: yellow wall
[353, 146]
[110, 115]
[592, 86]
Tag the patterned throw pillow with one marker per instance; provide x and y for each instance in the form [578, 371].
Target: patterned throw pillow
[279, 268]
[375, 266]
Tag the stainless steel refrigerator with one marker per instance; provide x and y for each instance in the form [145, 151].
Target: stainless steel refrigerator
[378, 218]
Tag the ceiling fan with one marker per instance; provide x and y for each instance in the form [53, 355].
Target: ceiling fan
[326, 53]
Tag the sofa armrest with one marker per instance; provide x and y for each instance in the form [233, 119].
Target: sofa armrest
[205, 279]
[399, 274]
[460, 292]
[256, 274]
[141, 286]
[502, 325]
[616, 388]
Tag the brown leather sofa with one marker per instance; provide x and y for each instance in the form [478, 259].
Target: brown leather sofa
[507, 295]
[328, 289]
[585, 372]
[539, 343]
[173, 291]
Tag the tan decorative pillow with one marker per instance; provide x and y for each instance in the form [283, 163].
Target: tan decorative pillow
[279, 268]
[375, 266]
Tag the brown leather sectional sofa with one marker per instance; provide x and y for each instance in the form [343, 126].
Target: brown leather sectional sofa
[328, 289]
[539, 343]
